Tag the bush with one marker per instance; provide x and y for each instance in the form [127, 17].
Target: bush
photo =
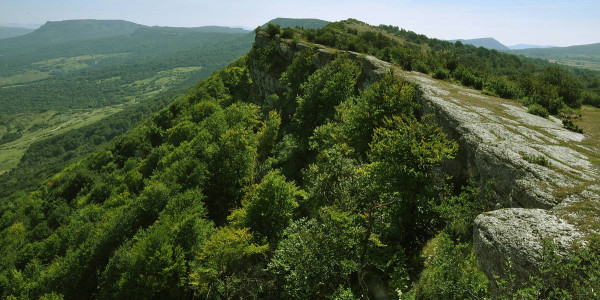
[503, 87]
[590, 98]
[568, 124]
[287, 33]
[537, 159]
[273, 29]
[536, 109]
[420, 66]
[574, 277]
[452, 272]
[441, 73]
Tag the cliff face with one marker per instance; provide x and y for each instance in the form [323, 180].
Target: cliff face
[547, 184]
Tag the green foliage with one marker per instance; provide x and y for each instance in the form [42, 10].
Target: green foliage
[539, 110]
[323, 91]
[383, 99]
[502, 74]
[287, 33]
[459, 211]
[407, 148]
[273, 29]
[156, 71]
[559, 277]
[219, 261]
[268, 207]
[537, 159]
[137, 219]
[268, 134]
[316, 256]
[451, 273]
[568, 124]
[441, 73]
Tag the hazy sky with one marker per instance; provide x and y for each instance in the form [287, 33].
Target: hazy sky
[544, 22]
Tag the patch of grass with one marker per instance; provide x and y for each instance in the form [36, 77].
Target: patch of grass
[28, 76]
[585, 214]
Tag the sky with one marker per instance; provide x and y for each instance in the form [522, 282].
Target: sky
[540, 22]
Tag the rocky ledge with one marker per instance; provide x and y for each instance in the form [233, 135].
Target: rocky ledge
[547, 184]
[545, 176]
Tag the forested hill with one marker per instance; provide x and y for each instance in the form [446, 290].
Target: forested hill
[64, 31]
[295, 172]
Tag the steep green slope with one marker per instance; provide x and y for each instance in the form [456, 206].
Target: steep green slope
[8, 32]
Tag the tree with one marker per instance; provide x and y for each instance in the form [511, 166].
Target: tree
[222, 261]
[269, 206]
[323, 91]
[273, 29]
[316, 256]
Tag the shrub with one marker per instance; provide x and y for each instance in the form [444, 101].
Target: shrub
[287, 33]
[537, 159]
[273, 29]
[536, 109]
[420, 66]
[503, 87]
[569, 113]
[574, 277]
[451, 273]
[441, 73]
[590, 98]
[568, 124]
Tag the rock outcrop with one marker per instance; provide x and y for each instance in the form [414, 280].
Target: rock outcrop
[545, 176]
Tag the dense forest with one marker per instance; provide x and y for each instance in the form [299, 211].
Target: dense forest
[111, 68]
[326, 190]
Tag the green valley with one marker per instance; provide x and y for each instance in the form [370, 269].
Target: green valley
[70, 74]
